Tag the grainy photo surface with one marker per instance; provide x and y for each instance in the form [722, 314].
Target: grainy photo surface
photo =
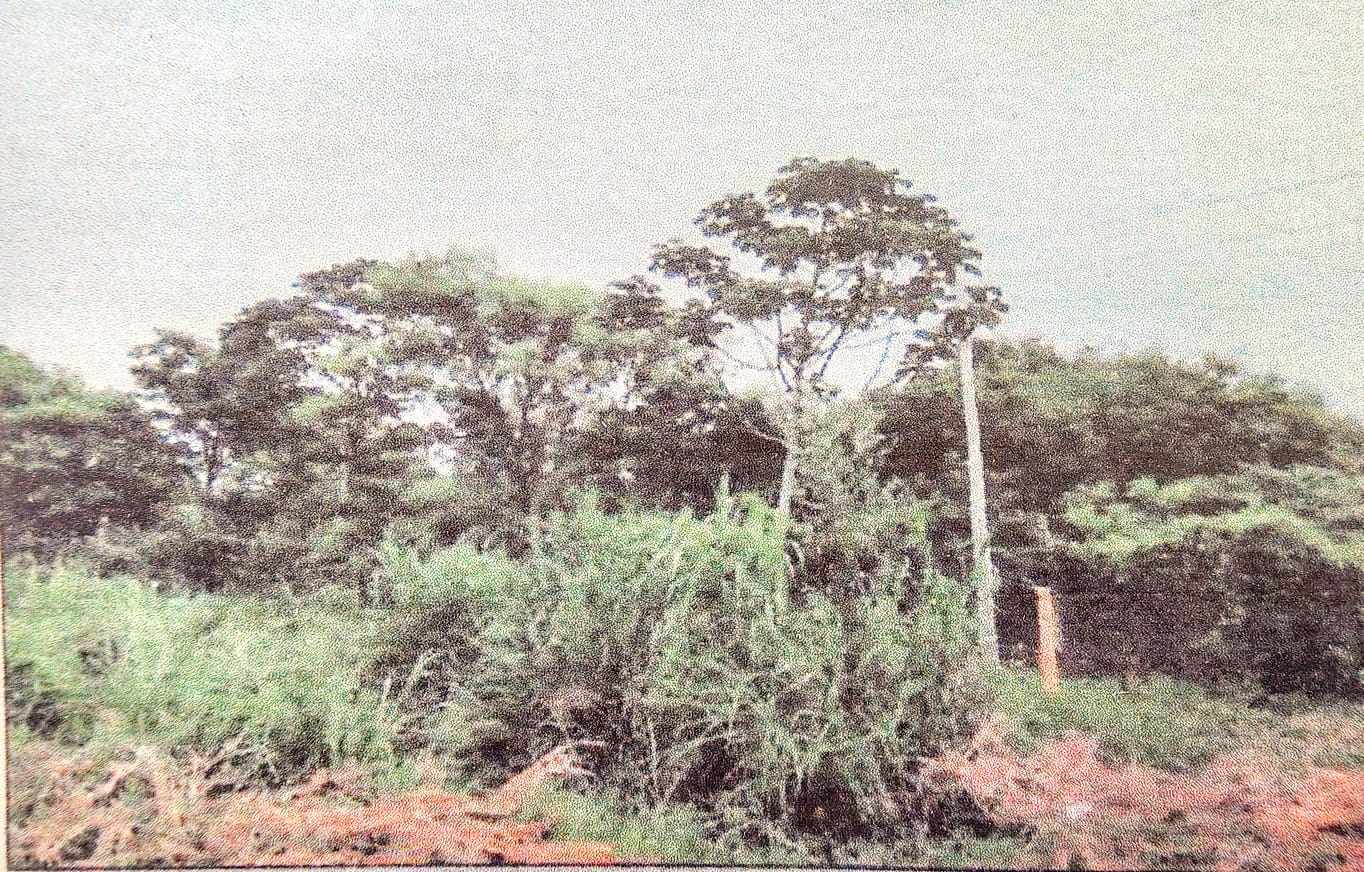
[879, 434]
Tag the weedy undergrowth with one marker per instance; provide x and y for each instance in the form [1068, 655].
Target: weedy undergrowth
[283, 687]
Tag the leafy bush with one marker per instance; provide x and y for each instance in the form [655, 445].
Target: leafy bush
[682, 644]
[282, 684]
[853, 531]
[1255, 576]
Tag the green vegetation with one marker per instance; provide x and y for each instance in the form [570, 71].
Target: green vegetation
[1193, 520]
[1157, 722]
[678, 834]
[423, 510]
[280, 685]
[670, 835]
[1257, 575]
[72, 459]
[681, 644]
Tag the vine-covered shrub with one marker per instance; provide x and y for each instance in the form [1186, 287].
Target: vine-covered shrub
[683, 645]
[1257, 576]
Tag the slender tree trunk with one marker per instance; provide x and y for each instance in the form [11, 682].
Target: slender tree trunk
[213, 464]
[791, 443]
[984, 569]
[788, 476]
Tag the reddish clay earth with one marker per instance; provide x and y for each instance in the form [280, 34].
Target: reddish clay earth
[1237, 813]
[1075, 809]
[151, 811]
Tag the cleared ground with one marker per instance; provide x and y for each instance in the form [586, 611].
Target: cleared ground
[1260, 790]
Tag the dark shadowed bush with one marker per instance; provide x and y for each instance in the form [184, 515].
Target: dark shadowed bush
[1250, 578]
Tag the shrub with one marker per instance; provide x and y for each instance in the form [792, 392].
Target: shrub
[682, 644]
[853, 532]
[1258, 575]
[281, 683]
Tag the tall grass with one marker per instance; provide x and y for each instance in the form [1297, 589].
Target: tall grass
[281, 685]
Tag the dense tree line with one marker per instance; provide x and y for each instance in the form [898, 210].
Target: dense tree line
[74, 461]
[435, 400]
[307, 497]
[1193, 518]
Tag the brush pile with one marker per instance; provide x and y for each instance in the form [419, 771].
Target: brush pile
[150, 810]
[1237, 813]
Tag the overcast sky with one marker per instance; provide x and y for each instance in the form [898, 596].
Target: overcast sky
[1185, 174]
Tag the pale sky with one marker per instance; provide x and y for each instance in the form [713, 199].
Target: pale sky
[1183, 174]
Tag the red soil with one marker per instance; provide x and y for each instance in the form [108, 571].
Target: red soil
[1077, 809]
[151, 811]
[1236, 813]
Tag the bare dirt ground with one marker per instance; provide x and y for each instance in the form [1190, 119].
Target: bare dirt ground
[151, 811]
[1239, 812]
[1073, 809]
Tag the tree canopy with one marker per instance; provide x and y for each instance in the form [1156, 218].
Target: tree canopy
[73, 459]
[834, 257]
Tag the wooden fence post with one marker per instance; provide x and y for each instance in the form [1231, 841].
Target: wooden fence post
[1048, 640]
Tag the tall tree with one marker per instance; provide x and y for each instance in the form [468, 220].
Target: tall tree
[516, 378]
[224, 400]
[965, 311]
[72, 459]
[835, 256]
[294, 421]
[431, 396]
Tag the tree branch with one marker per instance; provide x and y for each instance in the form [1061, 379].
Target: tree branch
[833, 349]
[734, 359]
[773, 364]
[761, 435]
[753, 326]
[881, 363]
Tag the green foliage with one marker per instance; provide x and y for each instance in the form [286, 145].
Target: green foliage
[681, 643]
[223, 401]
[1051, 423]
[843, 249]
[669, 450]
[1254, 576]
[833, 255]
[283, 684]
[676, 834]
[73, 461]
[1156, 516]
[1336, 758]
[505, 294]
[967, 850]
[1157, 722]
[293, 421]
[854, 531]
[1193, 519]
[321, 422]
[430, 399]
